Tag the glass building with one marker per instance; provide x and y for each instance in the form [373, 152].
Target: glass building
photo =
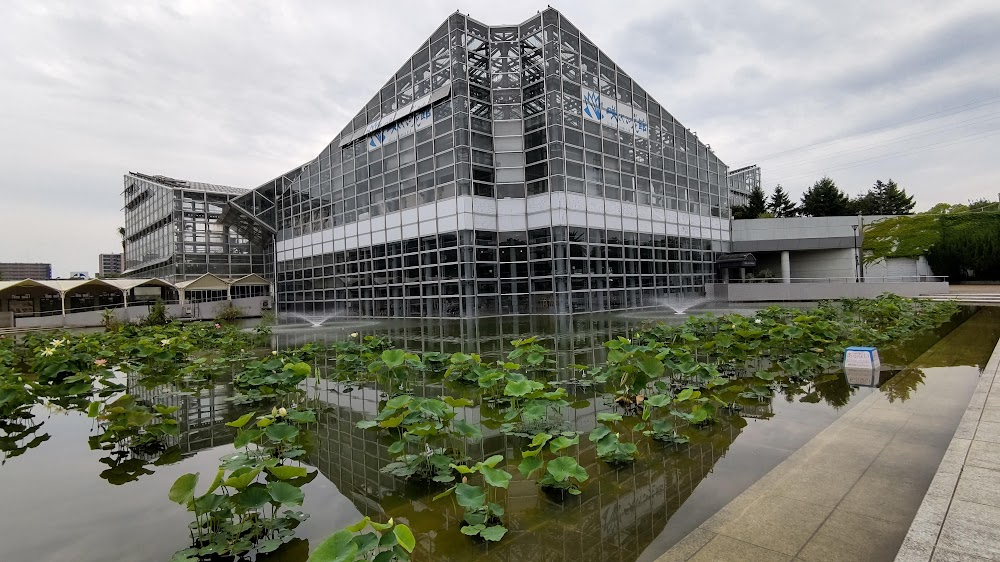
[741, 182]
[173, 232]
[502, 170]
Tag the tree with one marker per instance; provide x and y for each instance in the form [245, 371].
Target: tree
[825, 199]
[780, 205]
[983, 205]
[755, 207]
[121, 233]
[885, 199]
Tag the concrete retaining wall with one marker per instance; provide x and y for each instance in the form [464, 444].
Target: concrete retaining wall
[764, 292]
[250, 306]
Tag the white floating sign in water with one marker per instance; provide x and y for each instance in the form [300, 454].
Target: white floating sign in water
[861, 376]
[861, 358]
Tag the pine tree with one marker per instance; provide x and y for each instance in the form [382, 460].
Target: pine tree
[897, 202]
[825, 199]
[758, 202]
[885, 199]
[755, 207]
[780, 205]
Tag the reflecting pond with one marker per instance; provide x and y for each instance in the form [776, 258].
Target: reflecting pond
[64, 500]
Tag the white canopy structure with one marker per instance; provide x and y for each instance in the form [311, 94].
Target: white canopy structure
[63, 288]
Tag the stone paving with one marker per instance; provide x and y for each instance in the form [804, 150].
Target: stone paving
[852, 491]
[959, 518]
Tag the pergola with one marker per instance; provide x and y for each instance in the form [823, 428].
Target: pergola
[213, 283]
[120, 289]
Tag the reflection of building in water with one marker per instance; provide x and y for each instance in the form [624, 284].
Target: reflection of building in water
[202, 414]
[618, 515]
[573, 340]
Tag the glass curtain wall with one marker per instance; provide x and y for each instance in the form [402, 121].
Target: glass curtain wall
[172, 231]
[502, 170]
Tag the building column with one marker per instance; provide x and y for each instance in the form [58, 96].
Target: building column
[786, 268]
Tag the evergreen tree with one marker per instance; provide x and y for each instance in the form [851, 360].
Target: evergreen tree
[780, 205]
[758, 202]
[755, 207]
[885, 199]
[741, 212]
[825, 199]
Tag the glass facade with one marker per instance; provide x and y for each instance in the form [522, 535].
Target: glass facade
[501, 170]
[173, 232]
[741, 182]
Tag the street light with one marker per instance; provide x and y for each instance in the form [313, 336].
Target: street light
[857, 262]
[861, 262]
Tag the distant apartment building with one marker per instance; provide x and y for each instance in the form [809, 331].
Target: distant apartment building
[741, 182]
[109, 264]
[172, 231]
[17, 271]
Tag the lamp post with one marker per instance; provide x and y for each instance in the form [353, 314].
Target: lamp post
[861, 262]
[857, 261]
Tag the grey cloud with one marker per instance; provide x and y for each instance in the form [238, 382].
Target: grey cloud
[238, 92]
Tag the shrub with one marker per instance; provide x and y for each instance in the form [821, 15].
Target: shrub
[157, 314]
[228, 314]
[110, 320]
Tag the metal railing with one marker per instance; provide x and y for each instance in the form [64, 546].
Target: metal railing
[867, 279]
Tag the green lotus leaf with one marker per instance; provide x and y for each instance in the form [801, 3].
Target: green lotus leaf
[493, 533]
[338, 547]
[287, 472]
[405, 537]
[469, 496]
[281, 432]
[241, 421]
[285, 494]
[183, 489]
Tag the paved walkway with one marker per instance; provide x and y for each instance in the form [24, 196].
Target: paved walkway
[959, 518]
[851, 492]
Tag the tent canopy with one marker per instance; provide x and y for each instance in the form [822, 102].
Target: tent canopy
[207, 282]
[735, 260]
[252, 279]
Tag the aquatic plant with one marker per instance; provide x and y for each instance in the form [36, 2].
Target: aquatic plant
[610, 448]
[387, 542]
[426, 447]
[274, 377]
[482, 512]
[239, 512]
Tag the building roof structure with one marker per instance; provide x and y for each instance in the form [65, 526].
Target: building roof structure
[191, 185]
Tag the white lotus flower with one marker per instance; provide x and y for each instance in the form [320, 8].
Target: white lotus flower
[757, 321]
[165, 342]
[275, 352]
[47, 351]
[58, 342]
[282, 412]
[354, 335]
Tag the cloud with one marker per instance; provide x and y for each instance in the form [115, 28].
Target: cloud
[238, 92]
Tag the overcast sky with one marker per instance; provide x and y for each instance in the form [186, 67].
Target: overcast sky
[237, 92]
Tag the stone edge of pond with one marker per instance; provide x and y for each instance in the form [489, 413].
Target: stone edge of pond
[954, 519]
[779, 517]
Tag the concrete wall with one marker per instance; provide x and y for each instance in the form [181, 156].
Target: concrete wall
[764, 292]
[899, 267]
[812, 264]
[6, 319]
[250, 306]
